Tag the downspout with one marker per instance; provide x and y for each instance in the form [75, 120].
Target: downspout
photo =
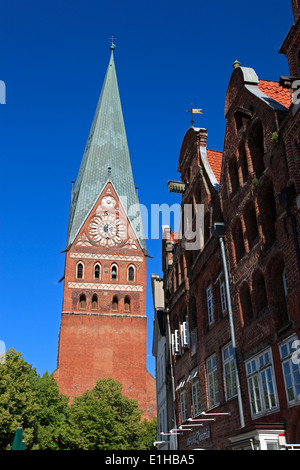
[172, 379]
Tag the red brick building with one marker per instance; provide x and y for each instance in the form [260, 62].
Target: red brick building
[251, 392]
[103, 323]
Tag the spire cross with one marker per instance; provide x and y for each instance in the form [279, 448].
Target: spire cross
[193, 111]
[112, 42]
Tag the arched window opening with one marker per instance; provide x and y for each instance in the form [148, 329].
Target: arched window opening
[234, 176]
[251, 224]
[260, 293]
[246, 304]
[127, 304]
[114, 272]
[115, 303]
[181, 264]
[94, 302]
[243, 161]
[192, 319]
[207, 232]
[79, 272]
[82, 301]
[193, 313]
[188, 174]
[268, 211]
[279, 291]
[256, 147]
[238, 239]
[131, 273]
[238, 117]
[97, 271]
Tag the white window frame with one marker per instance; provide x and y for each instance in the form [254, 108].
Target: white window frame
[210, 304]
[182, 397]
[114, 265]
[284, 282]
[229, 371]
[184, 333]
[262, 384]
[83, 269]
[212, 381]
[175, 342]
[133, 267]
[290, 362]
[195, 385]
[95, 265]
[223, 295]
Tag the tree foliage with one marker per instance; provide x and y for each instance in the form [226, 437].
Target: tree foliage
[100, 419]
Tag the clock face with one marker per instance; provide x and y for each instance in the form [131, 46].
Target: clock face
[107, 230]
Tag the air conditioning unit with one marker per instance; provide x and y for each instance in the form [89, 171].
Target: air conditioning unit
[184, 332]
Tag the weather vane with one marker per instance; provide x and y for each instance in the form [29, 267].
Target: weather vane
[193, 111]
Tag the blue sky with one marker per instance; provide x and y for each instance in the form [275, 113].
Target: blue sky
[53, 60]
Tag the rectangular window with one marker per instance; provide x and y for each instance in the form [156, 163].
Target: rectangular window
[196, 396]
[210, 304]
[183, 405]
[194, 338]
[223, 295]
[212, 381]
[229, 370]
[261, 384]
[290, 360]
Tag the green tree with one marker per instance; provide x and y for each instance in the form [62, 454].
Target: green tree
[31, 402]
[100, 419]
[18, 405]
[52, 416]
[104, 419]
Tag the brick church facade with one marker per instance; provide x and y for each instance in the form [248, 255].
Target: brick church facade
[103, 329]
[240, 386]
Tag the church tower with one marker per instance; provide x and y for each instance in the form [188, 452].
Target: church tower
[103, 330]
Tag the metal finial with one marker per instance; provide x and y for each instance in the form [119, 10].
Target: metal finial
[112, 47]
[236, 64]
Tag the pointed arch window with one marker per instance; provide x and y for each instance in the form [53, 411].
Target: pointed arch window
[79, 270]
[97, 271]
[115, 304]
[82, 301]
[94, 302]
[251, 224]
[256, 148]
[127, 304]
[114, 272]
[131, 273]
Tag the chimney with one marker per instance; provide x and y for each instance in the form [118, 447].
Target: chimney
[202, 137]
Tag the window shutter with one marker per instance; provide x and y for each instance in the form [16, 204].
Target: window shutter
[184, 330]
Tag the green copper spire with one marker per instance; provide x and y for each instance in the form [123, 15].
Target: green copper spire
[106, 158]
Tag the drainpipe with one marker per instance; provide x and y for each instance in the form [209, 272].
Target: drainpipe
[219, 232]
[167, 311]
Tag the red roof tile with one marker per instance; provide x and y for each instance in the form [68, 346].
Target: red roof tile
[215, 160]
[276, 92]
